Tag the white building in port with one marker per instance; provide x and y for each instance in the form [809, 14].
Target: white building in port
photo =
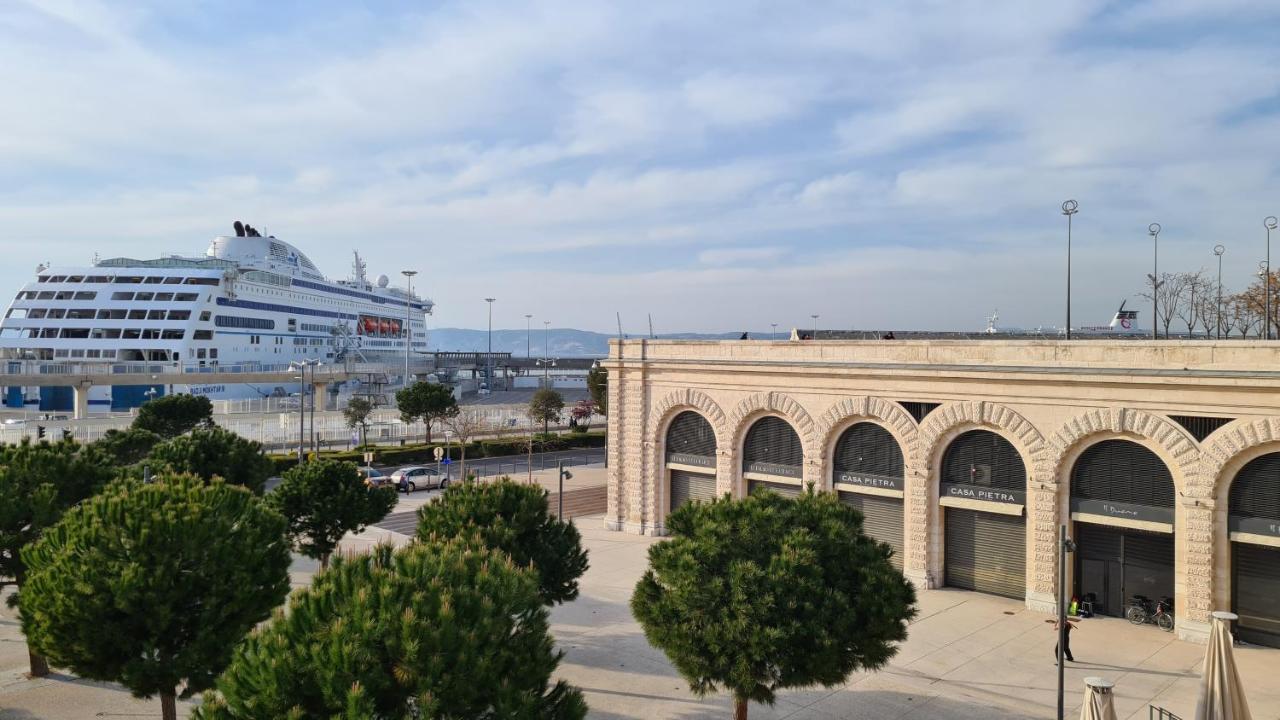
[249, 300]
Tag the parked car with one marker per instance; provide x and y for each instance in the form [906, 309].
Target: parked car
[409, 479]
[373, 477]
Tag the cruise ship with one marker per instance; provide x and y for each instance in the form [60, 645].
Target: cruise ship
[251, 299]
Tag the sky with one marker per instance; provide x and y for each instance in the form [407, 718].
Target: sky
[718, 165]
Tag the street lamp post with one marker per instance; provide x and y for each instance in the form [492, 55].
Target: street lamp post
[488, 363]
[815, 325]
[773, 335]
[408, 332]
[1269, 222]
[1219, 250]
[1262, 273]
[1065, 547]
[1154, 231]
[528, 334]
[546, 347]
[1069, 208]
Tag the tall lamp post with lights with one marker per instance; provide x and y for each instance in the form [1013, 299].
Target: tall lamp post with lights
[528, 335]
[1269, 223]
[773, 335]
[1069, 208]
[408, 331]
[1154, 231]
[301, 366]
[815, 325]
[1219, 250]
[488, 363]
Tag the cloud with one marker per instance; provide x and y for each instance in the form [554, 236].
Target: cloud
[697, 161]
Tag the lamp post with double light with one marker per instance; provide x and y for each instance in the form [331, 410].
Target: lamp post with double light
[528, 334]
[1154, 231]
[1069, 208]
[1269, 222]
[1219, 250]
[815, 325]
[488, 364]
[408, 331]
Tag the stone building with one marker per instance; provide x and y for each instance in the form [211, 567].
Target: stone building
[1162, 458]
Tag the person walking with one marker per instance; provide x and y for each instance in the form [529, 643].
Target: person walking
[1066, 646]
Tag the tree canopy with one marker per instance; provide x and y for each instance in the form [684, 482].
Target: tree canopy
[357, 413]
[323, 500]
[173, 415]
[38, 483]
[129, 446]
[545, 406]
[436, 630]
[426, 402]
[153, 585]
[764, 593]
[515, 519]
[214, 452]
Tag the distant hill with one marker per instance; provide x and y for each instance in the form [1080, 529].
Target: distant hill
[562, 342]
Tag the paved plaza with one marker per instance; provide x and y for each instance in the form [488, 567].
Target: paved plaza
[968, 656]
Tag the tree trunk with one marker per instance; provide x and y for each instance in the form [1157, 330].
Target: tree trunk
[39, 666]
[428, 424]
[168, 706]
[739, 708]
[324, 561]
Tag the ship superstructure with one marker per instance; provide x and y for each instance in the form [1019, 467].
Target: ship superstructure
[249, 299]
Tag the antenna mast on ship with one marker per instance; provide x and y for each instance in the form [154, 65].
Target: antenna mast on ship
[358, 268]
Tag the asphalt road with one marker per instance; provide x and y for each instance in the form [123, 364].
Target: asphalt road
[513, 464]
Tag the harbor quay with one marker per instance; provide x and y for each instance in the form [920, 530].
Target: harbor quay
[1161, 458]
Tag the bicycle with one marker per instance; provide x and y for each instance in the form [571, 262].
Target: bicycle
[1142, 611]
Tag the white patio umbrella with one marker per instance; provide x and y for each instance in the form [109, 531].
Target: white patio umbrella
[1097, 700]
[1221, 694]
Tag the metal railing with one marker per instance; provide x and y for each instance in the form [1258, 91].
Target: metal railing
[45, 367]
[541, 461]
[1159, 713]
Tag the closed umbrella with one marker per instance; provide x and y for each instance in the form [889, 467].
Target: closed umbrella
[1221, 694]
[1097, 700]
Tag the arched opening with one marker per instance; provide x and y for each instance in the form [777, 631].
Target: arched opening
[1122, 506]
[982, 488]
[868, 473]
[1253, 524]
[772, 456]
[690, 459]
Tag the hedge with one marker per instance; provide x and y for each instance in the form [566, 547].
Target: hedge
[422, 453]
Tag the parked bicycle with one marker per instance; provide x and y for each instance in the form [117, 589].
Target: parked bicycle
[1142, 610]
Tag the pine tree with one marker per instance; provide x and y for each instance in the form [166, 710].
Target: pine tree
[129, 446]
[324, 500]
[38, 483]
[436, 630]
[426, 401]
[152, 585]
[213, 452]
[515, 519]
[765, 593]
[173, 415]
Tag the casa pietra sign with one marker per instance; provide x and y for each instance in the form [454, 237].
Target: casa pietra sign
[687, 459]
[885, 482]
[985, 493]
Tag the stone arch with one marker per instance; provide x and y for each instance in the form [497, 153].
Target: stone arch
[1167, 439]
[952, 417]
[686, 399]
[781, 404]
[938, 429]
[664, 412]
[849, 411]
[1224, 454]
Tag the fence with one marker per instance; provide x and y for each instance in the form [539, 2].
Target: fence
[541, 461]
[1159, 713]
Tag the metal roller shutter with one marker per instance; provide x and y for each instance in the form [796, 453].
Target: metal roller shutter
[1122, 471]
[983, 458]
[691, 434]
[1255, 492]
[686, 486]
[868, 448]
[772, 440]
[882, 520]
[986, 552]
[780, 488]
[1256, 590]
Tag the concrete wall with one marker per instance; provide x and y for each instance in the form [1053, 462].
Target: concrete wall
[1050, 399]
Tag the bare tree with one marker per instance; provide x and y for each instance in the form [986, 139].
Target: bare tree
[1229, 317]
[1243, 314]
[1190, 307]
[1168, 293]
[466, 425]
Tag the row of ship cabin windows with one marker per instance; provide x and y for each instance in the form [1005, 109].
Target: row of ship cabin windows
[126, 280]
[1121, 504]
[119, 296]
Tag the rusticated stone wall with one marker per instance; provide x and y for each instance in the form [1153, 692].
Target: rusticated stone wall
[1050, 399]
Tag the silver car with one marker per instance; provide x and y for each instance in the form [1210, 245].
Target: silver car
[413, 477]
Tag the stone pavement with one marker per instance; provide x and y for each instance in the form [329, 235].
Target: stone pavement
[969, 656]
